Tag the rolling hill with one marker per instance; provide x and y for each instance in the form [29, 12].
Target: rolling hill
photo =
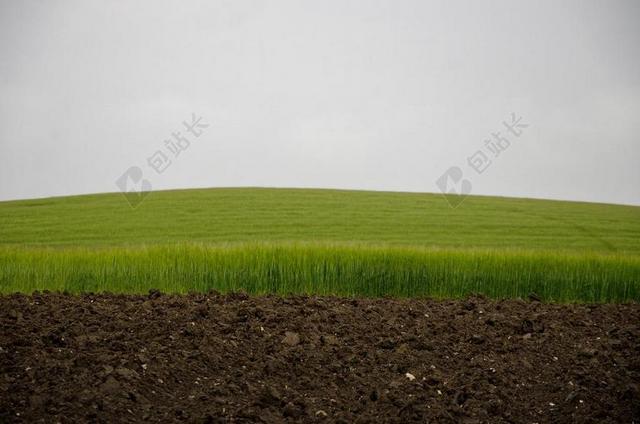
[332, 216]
[322, 242]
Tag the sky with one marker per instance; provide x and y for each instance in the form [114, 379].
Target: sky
[508, 98]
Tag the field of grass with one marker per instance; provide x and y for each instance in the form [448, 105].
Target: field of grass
[322, 241]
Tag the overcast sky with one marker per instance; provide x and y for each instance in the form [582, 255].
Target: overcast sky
[384, 95]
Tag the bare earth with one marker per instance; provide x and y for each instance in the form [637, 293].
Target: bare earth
[235, 358]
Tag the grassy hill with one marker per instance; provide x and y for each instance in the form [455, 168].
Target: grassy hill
[322, 241]
[276, 215]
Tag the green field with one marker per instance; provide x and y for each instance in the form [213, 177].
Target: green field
[322, 241]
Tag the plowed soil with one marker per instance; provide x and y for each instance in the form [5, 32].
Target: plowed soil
[235, 358]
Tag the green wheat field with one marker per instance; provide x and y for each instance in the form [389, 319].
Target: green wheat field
[329, 242]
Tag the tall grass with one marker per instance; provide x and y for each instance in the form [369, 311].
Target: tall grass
[324, 269]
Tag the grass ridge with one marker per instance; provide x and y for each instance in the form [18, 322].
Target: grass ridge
[326, 269]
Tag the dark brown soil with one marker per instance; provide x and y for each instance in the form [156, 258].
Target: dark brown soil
[234, 358]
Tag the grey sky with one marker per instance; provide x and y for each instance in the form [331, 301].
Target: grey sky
[363, 94]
